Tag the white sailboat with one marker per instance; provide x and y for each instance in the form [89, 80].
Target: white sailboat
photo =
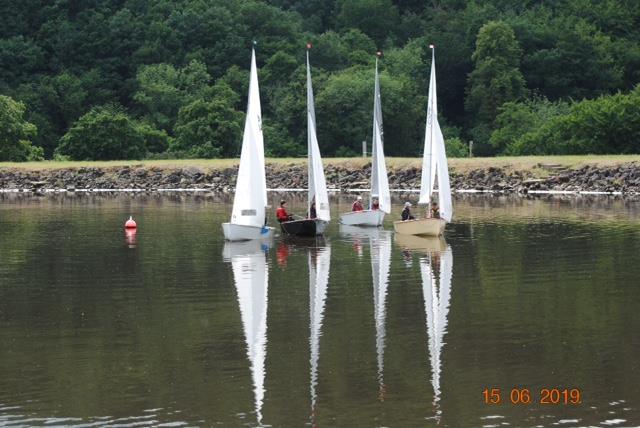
[380, 263]
[251, 278]
[248, 218]
[379, 180]
[434, 167]
[319, 260]
[318, 199]
[436, 271]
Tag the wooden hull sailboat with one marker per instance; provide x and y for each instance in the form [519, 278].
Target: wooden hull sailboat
[248, 218]
[421, 227]
[434, 169]
[318, 195]
[379, 179]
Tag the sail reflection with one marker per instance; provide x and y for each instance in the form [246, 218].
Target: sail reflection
[436, 269]
[251, 278]
[380, 247]
[319, 259]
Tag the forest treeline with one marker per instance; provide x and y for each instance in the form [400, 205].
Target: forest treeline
[130, 79]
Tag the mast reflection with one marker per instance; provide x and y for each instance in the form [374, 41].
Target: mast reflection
[319, 260]
[251, 278]
[380, 246]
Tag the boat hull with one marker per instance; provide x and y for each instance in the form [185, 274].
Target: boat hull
[372, 218]
[241, 232]
[422, 227]
[304, 227]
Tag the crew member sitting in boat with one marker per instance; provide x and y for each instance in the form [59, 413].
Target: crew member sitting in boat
[406, 212]
[375, 204]
[281, 212]
[357, 204]
[312, 209]
[435, 211]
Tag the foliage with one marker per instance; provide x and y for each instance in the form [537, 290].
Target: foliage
[456, 148]
[105, 133]
[158, 59]
[15, 133]
[496, 77]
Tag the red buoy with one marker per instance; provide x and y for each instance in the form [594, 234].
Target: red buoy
[130, 224]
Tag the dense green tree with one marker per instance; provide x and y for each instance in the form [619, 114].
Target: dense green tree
[496, 78]
[104, 133]
[208, 129]
[15, 133]
[376, 18]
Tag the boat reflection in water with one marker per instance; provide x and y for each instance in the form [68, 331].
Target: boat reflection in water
[251, 278]
[380, 250]
[319, 259]
[436, 267]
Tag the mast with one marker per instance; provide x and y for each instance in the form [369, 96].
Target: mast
[428, 160]
[379, 180]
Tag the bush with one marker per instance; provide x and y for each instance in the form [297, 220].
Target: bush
[456, 148]
[105, 133]
[15, 133]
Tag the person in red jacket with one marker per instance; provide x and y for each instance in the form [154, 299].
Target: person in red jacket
[281, 212]
[357, 204]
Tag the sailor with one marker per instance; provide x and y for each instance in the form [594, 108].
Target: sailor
[357, 204]
[281, 212]
[406, 212]
[435, 210]
[375, 204]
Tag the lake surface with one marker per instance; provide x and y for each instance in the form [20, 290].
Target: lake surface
[172, 327]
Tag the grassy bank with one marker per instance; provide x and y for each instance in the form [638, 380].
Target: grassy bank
[522, 163]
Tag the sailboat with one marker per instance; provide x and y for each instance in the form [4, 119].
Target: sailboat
[436, 290]
[434, 166]
[251, 278]
[319, 259]
[248, 218]
[380, 263]
[379, 179]
[318, 199]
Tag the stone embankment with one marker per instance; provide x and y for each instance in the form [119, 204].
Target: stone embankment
[623, 178]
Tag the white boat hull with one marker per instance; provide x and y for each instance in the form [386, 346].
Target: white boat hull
[241, 232]
[422, 227]
[362, 218]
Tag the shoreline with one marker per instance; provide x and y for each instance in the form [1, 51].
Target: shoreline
[612, 178]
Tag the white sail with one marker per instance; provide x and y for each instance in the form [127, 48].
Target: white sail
[436, 288]
[319, 260]
[380, 263]
[317, 183]
[251, 278]
[250, 201]
[379, 179]
[434, 160]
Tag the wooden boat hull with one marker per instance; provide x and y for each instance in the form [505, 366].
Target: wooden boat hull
[304, 227]
[422, 227]
[372, 218]
[241, 232]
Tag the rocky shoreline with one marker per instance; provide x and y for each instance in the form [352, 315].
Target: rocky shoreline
[619, 179]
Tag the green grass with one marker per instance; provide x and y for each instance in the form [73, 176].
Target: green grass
[521, 163]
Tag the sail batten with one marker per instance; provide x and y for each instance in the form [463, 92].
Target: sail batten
[250, 200]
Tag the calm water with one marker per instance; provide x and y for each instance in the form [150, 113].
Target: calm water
[363, 328]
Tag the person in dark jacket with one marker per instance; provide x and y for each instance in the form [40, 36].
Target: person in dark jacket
[406, 212]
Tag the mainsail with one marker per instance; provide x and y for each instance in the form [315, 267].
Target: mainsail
[379, 179]
[250, 201]
[434, 159]
[317, 183]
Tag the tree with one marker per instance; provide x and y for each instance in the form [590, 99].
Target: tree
[495, 79]
[104, 133]
[210, 129]
[376, 18]
[15, 133]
